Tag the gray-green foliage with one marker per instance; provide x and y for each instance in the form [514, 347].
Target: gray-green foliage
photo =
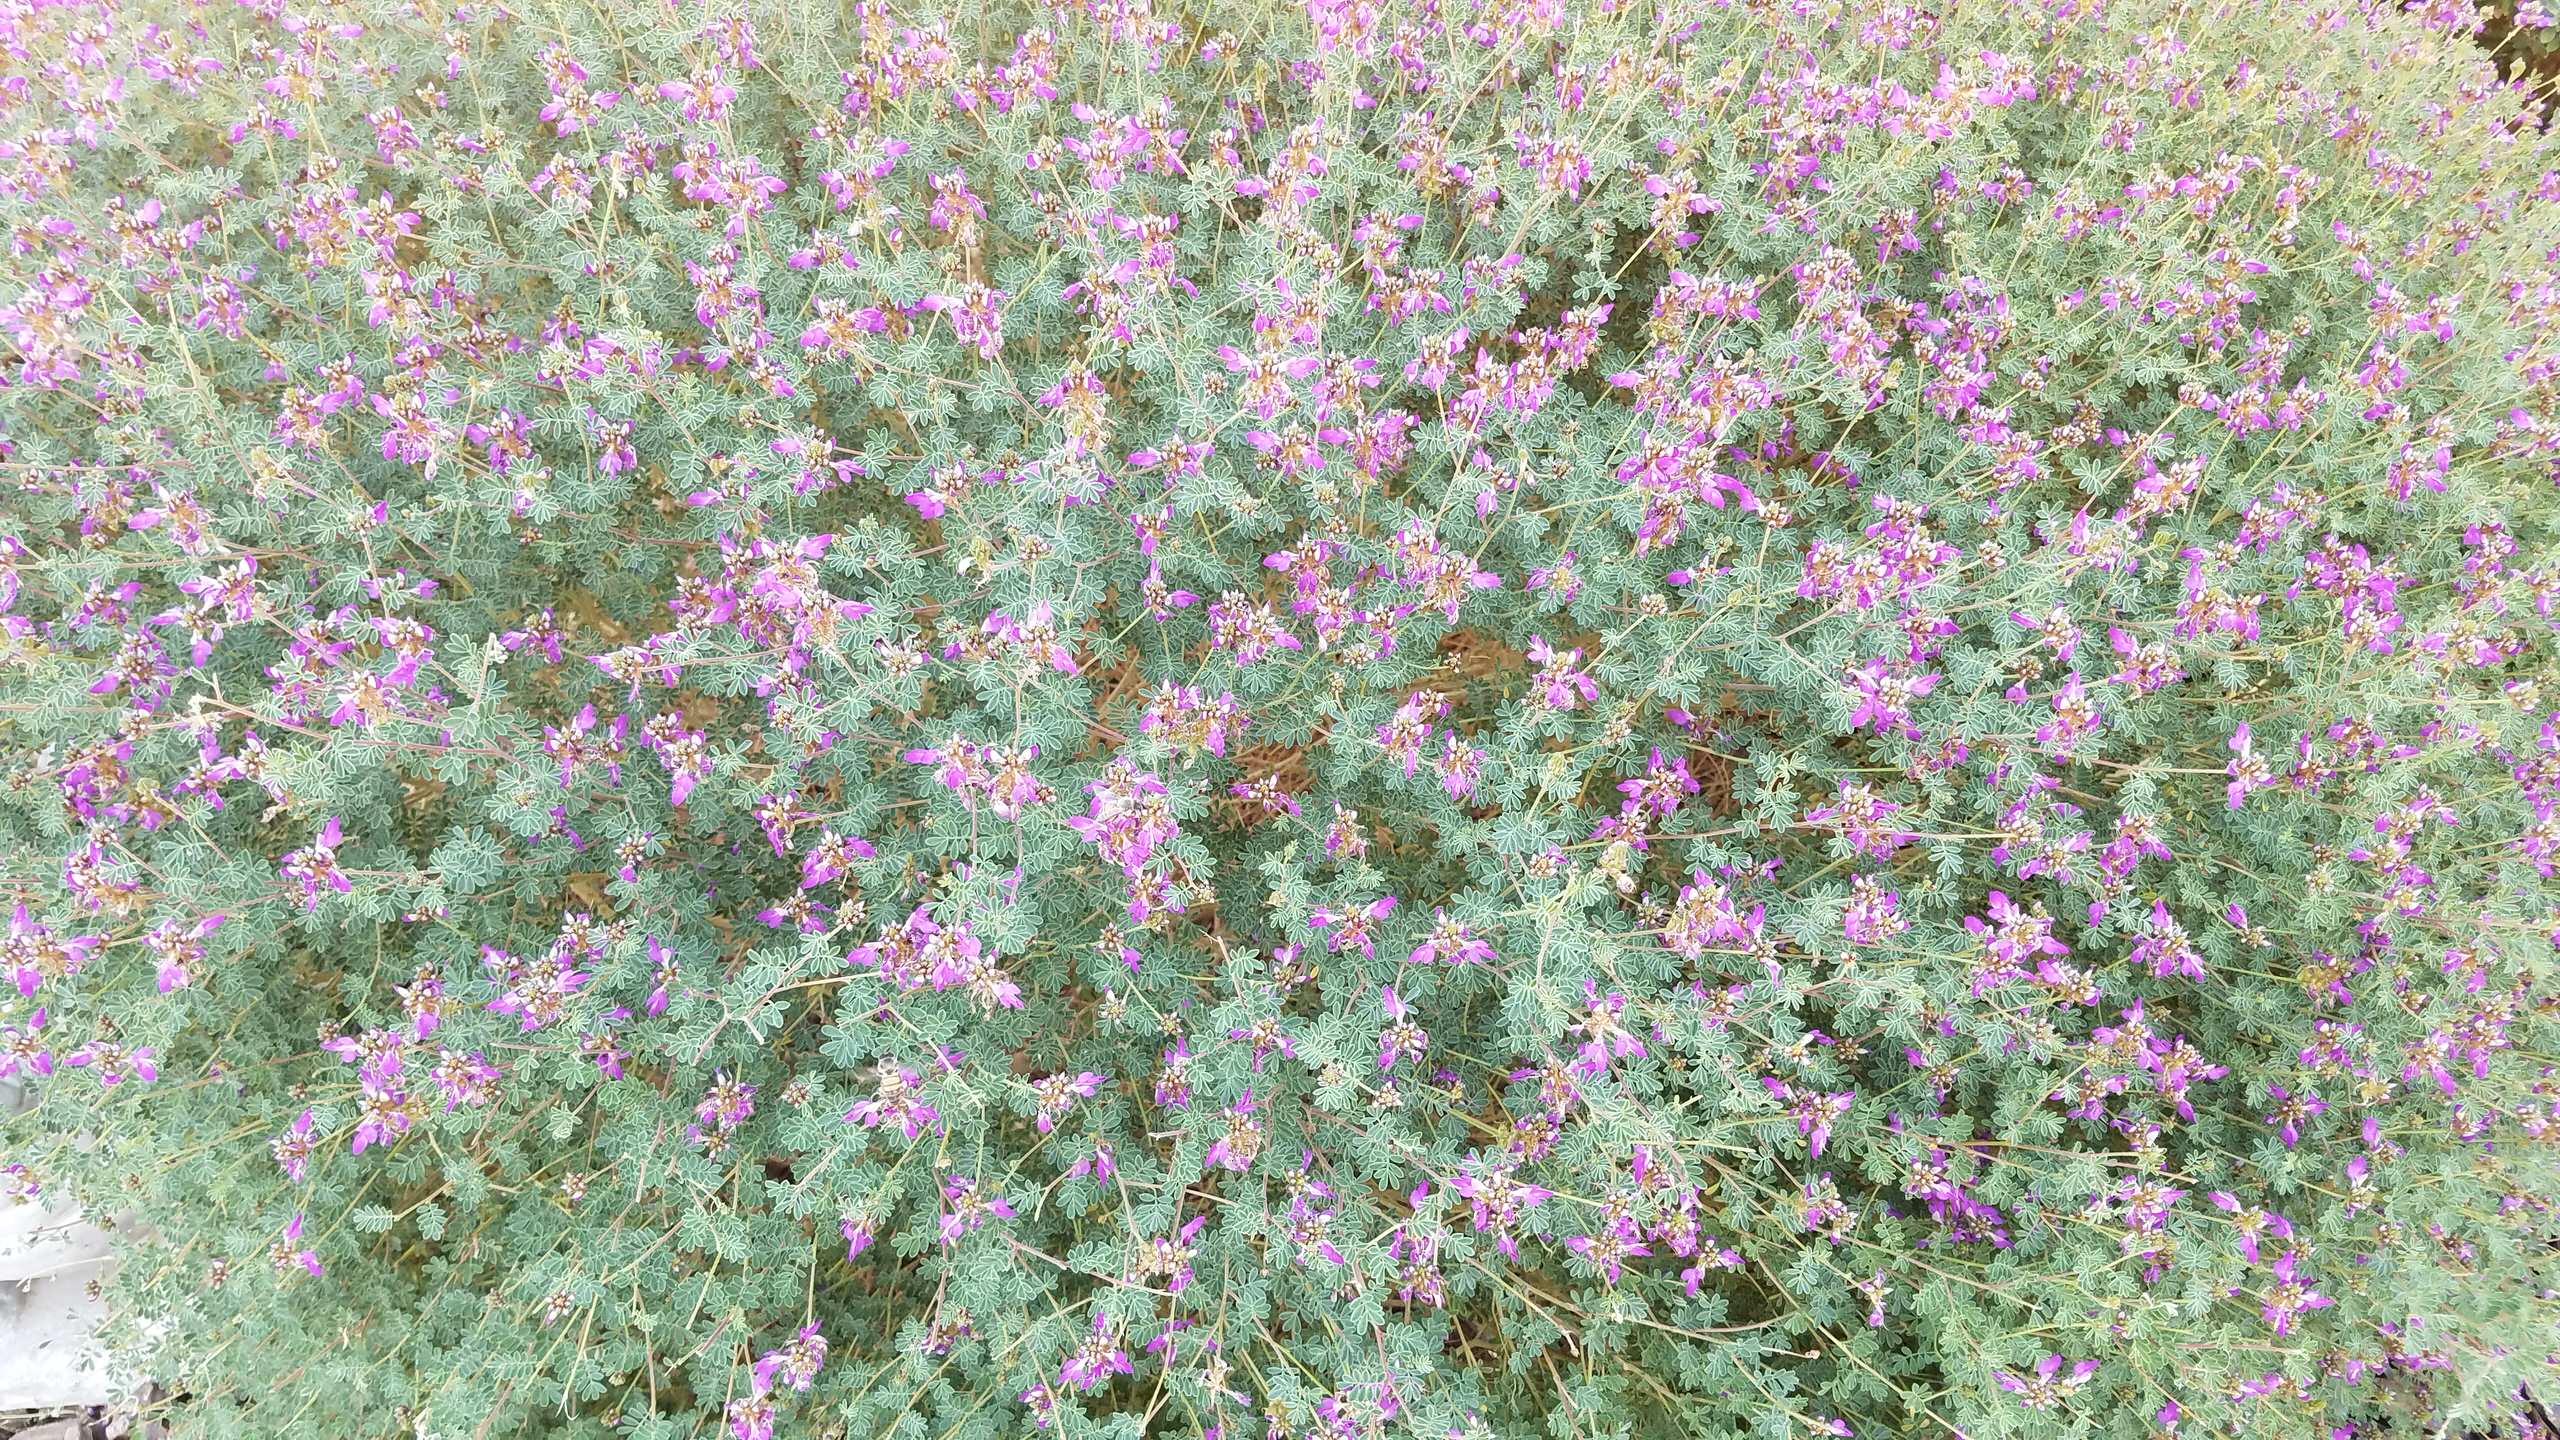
[1375, 718]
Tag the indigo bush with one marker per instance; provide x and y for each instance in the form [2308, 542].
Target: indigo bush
[1388, 717]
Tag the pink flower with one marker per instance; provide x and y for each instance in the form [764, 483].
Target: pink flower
[20, 1050]
[796, 1364]
[1052, 1094]
[1351, 929]
[315, 868]
[1560, 683]
[1812, 1110]
[1237, 1149]
[33, 954]
[966, 1208]
[1101, 1356]
[1885, 693]
[2247, 771]
[2291, 1294]
[2048, 1387]
[291, 1253]
[1450, 942]
[1100, 1162]
[179, 950]
[2292, 1112]
[1605, 1037]
[751, 1417]
[1401, 1038]
[293, 1148]
[663, 974]
[1609, 1251]
[831, 857]
[115, 1063]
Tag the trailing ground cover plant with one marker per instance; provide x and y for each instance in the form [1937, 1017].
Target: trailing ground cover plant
[1459, 719]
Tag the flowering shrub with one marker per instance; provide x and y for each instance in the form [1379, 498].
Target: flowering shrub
[1463, 718]
[2520, 34]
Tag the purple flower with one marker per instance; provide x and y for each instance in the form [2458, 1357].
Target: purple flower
[1560, 683]
[2292, 1112]
[1605, 1036]
[291, 1253]
[114, 1062]
[2048, 1386]
[796, 1364]
[1401, 1037]
[1101, 1355]
[1238, 1148]
[314, 868]
[464, 1078]
[293, 1148]
[1130, 819]
[20, 1050]
[1497, 1199]
[33, 954]
[2251, 1222]
[976, 316]
[831, 857]
[727, 1104]
[179, 950]
[1100, 1162]
[1461, 767]
[1860, 816]
[1812, 1110]
[1173, 1081]
[2247, 771]
[2015, 940]
[1608, 1251]
[1052, 1094]
[1450, 942]
[2291, 1294]
[897, 1099]
[1885, 692]
[966, 1208]
[751, 1417]
[1037, 636]
[1352, 928]
[1874, 913]
[662, 965]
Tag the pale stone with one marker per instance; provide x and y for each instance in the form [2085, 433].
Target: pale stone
[48, 1256]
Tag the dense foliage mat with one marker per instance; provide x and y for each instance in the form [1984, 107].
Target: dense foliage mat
[1398, 717]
